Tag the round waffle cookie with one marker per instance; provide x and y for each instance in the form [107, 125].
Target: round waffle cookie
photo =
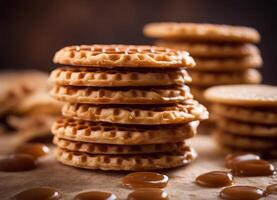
[121, 95]
[126, 162]
[222, 78]
[242, 142]
[247, 129]
[243, 95]
[228, 64]
[212, 50]
[260, 115]
[202, 32]
[94, 148]
[103, 133]
[118, 78]
[123, 56]
[162, 114]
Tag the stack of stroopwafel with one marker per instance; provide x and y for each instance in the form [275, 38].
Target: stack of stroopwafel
[223, 54]
[126, 107]
[246, 117]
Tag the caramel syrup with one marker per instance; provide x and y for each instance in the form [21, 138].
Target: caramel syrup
[252, 168]
[40, 193]
[145, 179]
[242, 193]
[148, 194]
[95, 195]
[18, 162]
[36, 149]
[271, 189]
[215, 179]
[236, 157]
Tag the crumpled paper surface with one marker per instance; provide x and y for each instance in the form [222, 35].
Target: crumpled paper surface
[70, 181]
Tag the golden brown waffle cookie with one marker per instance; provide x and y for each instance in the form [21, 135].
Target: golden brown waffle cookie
[121, 95]
[228, 64]
[123, 56]
[204, 79]
[104, 133]
[127, 162]
[243, 95]
[94, 148]
[202, 32]
[258, 115]
[118, 78]
[212, 50]
[247, 129]
[162, 114]
[254, 143]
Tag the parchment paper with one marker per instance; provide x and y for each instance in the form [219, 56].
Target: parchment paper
[70, 181]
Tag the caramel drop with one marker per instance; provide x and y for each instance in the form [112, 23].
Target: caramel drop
[237, 157]
[18, 162]
[148, 194]
[252, 168]
[40, 193]
[95, 195]
[145, 179]
[215, 179]
[36, 149]
[271, 189]
[242, 193]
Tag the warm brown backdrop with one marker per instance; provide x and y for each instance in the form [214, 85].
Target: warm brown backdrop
[31, 31]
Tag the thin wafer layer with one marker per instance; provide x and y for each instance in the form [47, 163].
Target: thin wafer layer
[129, 163]
[94, 148]
[202, 32]
[235, 141]
[257, 115]
[212, 50]
[122, 56]
[91, 95]
[228, 64]
[247, 129]
[248, 76]
[158, 114]
[118, 78]
[104, 133]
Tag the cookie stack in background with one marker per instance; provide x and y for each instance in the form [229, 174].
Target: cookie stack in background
[125, 107]
[223, 54]
[246, 117]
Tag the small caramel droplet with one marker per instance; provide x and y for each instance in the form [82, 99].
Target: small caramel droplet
[18, 162]
[241, 193]
[236, 157]
[215, 179]
[145, 179]
[271, 189]
[252, 168]
[95, 195]
[148, 194]
[37, 150]
[40, 193]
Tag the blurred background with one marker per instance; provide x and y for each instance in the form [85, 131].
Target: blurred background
[32, 30]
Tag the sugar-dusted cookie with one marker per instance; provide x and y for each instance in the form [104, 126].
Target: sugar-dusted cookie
[211, 50]
[104, 133]
[260, 115]
[162, 114]
[201, 32]
[152, 95]
[243, 95]
[126, 162]
[117, 78]
[107, 56]
[205, 79]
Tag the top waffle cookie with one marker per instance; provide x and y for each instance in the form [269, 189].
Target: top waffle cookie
[123, 56]
[203, 32]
